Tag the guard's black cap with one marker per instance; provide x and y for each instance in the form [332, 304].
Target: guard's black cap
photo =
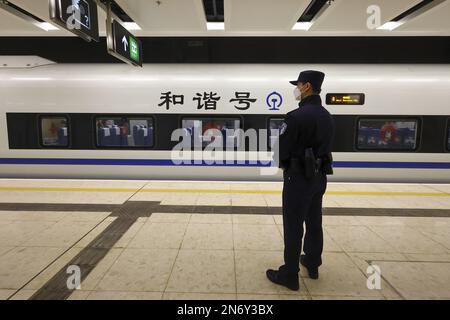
[311, 76]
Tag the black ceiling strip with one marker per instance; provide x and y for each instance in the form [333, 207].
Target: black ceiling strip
[311, 11]
[214, 10]
[398, 49]
[408, 12]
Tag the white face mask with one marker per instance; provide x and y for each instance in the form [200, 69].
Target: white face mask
[297, 94]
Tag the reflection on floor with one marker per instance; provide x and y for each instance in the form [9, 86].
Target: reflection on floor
[211, 240]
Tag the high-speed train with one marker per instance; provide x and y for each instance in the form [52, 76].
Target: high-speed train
[113, 121]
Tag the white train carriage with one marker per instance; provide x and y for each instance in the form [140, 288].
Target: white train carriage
[113, 121]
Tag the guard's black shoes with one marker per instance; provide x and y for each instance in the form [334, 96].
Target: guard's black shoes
[313, 272]
[276, 277]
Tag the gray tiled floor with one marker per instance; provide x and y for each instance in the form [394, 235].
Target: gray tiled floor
[224, 256]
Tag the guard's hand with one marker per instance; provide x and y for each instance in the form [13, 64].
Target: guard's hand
[283, 165]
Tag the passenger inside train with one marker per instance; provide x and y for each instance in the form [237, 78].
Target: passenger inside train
[401, 135]
[54, 131]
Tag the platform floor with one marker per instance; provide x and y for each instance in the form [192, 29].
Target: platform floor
[214, 240]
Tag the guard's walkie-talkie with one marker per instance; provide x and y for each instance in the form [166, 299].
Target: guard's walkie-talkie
[327, 165]
[310, 163]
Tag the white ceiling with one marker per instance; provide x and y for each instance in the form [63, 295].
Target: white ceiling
[248, 18]
[438, 18]
[170, 16]
[265, 16]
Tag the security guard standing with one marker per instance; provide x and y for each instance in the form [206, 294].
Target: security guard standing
[305, 157]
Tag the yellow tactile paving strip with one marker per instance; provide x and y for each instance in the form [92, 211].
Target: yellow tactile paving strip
[224, 191]
[61, 189]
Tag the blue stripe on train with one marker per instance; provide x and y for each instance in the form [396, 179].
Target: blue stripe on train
[168, 162]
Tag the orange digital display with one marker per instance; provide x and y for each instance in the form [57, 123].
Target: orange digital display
[345, 98]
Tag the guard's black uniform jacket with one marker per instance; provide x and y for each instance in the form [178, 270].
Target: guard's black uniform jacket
[309, 126]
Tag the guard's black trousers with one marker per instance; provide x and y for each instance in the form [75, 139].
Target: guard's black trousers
[302, 203]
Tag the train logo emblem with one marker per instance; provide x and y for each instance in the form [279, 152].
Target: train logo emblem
[274, 101]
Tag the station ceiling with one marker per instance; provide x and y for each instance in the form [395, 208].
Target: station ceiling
[179, 18]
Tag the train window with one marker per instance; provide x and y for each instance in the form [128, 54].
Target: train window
[124, 132]
[54, 131]
[387, 134]
[274, 125]
[203, 131]
[448, 135]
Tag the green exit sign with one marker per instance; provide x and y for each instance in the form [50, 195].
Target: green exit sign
[125, 45]
[134, 50]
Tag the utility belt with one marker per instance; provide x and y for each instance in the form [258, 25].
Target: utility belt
[310, 166]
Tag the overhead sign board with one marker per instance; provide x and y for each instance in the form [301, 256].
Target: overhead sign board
[77, 16]
[124, 45]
